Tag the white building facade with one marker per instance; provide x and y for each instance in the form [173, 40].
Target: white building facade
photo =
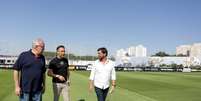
[183, 50]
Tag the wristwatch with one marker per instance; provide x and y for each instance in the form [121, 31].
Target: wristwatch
[56, 76]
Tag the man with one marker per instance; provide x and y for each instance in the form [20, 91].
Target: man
[59, 71]
[29, 73]
[101, 74]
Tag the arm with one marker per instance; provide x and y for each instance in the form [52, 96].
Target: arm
[113, 79]
[51, 74]
[50, 69]
[16, 75]
[91, 79]
[68, 73]
[44, 83]
[68, 77]
[91, 85]
[17, 67]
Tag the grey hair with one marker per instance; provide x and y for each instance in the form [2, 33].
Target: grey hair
[36, 42]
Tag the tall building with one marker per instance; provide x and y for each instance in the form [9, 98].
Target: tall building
[195, 50]
[183, 50]
[141, 51]
[132, 51]
[138, 51]
[189, 50]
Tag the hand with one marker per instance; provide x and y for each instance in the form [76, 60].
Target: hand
[112, 90]
[17, 91]
[61, 78]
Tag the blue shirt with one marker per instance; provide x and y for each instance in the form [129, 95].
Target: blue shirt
[32, 69]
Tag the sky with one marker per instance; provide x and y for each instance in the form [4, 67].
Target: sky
[85, 25]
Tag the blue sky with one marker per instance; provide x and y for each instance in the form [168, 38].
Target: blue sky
[85, 25]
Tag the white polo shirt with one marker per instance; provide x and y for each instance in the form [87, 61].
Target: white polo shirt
[101, 74]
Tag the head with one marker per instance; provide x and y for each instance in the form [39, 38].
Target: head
[102, 53]
[60, 51]
[38, 46]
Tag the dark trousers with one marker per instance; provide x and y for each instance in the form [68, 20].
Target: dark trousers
[101, 93]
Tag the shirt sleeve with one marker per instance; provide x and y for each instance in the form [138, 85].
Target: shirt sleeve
[51, 65]
[92, 75]
[113, 76]
[18, 64]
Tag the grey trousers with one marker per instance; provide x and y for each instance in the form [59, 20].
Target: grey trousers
[61, 88]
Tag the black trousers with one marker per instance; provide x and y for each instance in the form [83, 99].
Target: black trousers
[101, 93]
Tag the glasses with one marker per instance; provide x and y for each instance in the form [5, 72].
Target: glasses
[41, 46]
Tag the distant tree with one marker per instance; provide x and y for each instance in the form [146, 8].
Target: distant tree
[174, 66]
[174, 55]
[87, 58]
[161, 54]
[180, 66]
[126, 54]
[181, 55]
[163, 65]
[50, 55]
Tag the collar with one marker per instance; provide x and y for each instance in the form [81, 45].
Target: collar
[30, 51]
[106, 62]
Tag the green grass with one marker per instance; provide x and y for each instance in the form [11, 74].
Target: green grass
[131, 86]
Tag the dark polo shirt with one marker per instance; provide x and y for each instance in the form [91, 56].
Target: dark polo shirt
[32, 69]
[59, 67]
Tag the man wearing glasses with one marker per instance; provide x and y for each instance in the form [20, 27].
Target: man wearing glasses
[29, 73]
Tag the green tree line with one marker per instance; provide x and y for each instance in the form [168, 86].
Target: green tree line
[70, 56]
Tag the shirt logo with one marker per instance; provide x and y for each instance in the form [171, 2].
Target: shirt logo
[61, 63]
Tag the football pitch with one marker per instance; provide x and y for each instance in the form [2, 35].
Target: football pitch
[131, 86]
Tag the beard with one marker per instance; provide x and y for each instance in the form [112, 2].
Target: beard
[101, 57]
